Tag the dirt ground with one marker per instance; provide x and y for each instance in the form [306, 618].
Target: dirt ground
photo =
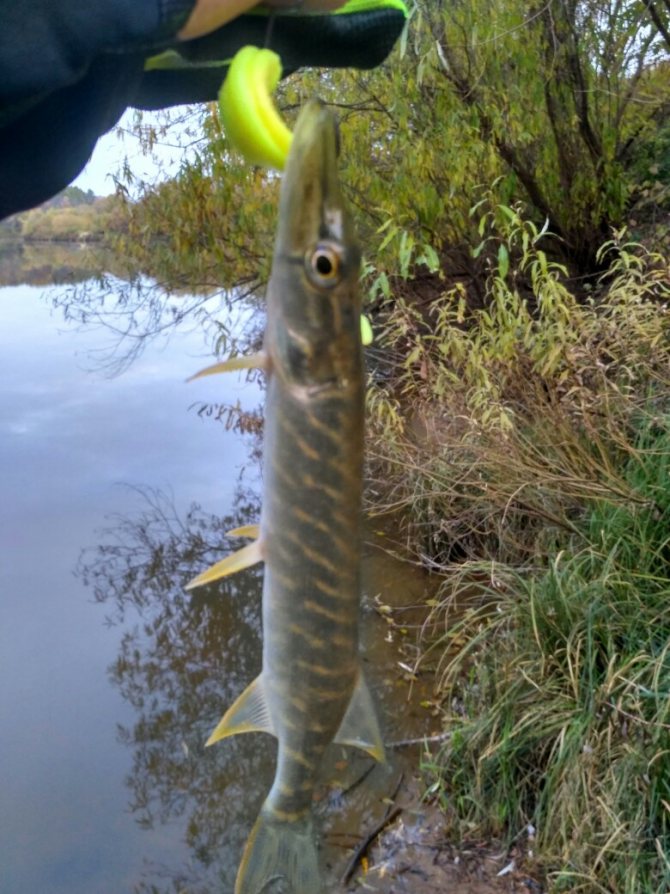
[412, 856]
[403, 846]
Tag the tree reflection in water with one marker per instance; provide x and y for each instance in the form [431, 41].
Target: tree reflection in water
[182, 660]
[133, 310]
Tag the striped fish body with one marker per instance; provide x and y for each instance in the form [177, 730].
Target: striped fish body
[313, 472]
[311, 691]
[311, 536]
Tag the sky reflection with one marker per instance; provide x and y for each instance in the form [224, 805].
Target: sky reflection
[69, 439]
[106, 784]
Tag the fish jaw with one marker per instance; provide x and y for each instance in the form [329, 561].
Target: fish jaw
[311, 202]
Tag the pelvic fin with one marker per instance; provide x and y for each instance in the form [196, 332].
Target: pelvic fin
[249, 713]
[244, 558]
[359, 726]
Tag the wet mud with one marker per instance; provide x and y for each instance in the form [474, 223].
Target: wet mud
[379, 834]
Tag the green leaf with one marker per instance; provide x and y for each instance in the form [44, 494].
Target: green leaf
[503, 261]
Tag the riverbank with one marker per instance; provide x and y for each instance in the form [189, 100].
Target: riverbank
[529, 447]
[411, 849]
[72, 216]
[39, 262]
[525, 453]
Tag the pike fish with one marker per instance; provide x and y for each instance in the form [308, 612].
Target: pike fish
[311, 690]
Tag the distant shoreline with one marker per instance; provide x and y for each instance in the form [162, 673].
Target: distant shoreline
[19, 239]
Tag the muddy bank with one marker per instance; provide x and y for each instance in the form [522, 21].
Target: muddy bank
[379, 833]
[414, 854]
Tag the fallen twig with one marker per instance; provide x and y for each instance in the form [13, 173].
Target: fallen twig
[359, 853]
[390, 814]
[405, 743]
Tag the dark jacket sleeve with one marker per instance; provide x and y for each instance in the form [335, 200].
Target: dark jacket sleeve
[67, 71]
[69, 68]
[49, 44]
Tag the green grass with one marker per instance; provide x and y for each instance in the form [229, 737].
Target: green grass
[529, 444]
[563, 691]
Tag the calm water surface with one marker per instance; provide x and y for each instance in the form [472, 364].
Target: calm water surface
[112, 677]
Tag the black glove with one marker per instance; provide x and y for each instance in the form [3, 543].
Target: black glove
[360, 35]
[46, 139]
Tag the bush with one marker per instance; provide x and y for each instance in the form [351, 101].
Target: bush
[529, 444]
[501, 426]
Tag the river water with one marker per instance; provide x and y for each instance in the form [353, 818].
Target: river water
[114, 491]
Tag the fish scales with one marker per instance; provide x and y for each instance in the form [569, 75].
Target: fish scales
[329, 421]
[311, 691]
[314, 436]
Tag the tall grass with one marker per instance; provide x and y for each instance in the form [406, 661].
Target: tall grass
[563, 694]
[530, 444]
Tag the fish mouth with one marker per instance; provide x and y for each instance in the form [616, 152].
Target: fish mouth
[315, 133]
[311, 204]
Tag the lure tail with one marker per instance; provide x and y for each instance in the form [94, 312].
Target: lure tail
[280, 858]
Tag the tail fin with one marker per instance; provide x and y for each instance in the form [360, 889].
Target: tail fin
[280, 858]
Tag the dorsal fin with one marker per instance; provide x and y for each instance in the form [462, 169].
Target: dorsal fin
[244, 558]
[249, 713]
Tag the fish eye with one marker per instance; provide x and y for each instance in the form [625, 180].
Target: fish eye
[323, 264]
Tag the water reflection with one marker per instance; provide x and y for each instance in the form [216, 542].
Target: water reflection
[105, 295]
[133, 313]
[67, 437]
[182, 661]
[53, 263]
[176, 662]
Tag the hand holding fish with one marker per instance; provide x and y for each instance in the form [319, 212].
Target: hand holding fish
[96, 60]
[208, 15]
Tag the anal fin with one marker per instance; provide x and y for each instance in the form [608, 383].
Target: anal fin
[359, 726]
[244, 558]
[249, 713]
[242, 361]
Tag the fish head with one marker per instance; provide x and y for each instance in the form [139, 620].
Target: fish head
[313, 295]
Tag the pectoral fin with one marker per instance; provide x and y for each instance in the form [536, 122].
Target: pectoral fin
[244, 558]
[359, 726]
[249, 713]
[243, 361]
[245, 531]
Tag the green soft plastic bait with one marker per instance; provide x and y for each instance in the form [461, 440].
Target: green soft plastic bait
[366, 331]
[248, 113]
[251, 120]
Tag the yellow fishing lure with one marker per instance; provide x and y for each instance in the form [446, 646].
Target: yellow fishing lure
[248, 113]
[251, 120]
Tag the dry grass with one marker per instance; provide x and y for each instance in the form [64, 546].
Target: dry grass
[532, 454]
